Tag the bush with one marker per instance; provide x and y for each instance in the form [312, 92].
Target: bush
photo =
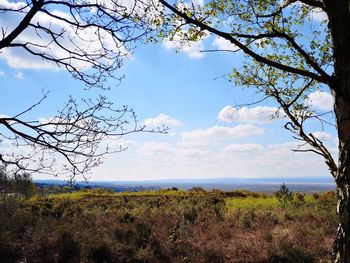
[7, 253]
[190, 214]
[315, 196]
[100, 254]
[197, 189]
[329, 196]
[68, 248]
[214, 256]
[247, 219]
[300, 197]
[328, 199]
[296, 255]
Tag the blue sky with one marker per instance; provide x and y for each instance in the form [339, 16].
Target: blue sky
[209, 136]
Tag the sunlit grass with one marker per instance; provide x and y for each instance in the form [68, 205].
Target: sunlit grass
[268, 202]
[106, 193]
[251, 203]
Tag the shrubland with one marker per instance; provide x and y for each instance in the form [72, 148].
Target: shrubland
[97, 225]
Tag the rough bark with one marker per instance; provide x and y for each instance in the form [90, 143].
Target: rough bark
[339, 19]
[341, 248]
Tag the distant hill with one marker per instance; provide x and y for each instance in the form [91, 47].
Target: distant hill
[305, 184]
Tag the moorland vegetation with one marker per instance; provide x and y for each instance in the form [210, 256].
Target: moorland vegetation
[170, 225]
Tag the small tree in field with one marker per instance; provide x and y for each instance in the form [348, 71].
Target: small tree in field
[284, 196]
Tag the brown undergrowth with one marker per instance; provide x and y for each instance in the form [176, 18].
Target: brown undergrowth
[172, 226]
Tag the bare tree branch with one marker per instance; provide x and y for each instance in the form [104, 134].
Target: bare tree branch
[79, 137]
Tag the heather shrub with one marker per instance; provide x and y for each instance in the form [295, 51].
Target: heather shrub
[219, 207]
[8, 253]
[165, 227]
[299, 198]
[328, 197]
[315, 196]
[295, 255]
[190, 214]
[214, 256]
[68, 248]
[247, 219]
[100, 254]
[197, 189]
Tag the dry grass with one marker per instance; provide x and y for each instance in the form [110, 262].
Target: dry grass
[168, 226]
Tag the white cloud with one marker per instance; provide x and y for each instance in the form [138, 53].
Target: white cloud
[2, 74]
[19, 75]
[280, 148]
[191, 154]
[150, 149]
[219, 133]
[11, 5]
[192, 49]
[320, 100]
[160, 120]
[260, 114]
[155, 160]
[3, 116]
[120, 144]
[242, 148]
[198, 2]
[224, 44]
[205, 153]
[77, 40]
[317, 14]
[20, 59]
[325, 137]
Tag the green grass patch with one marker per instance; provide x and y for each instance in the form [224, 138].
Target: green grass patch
[251, 203]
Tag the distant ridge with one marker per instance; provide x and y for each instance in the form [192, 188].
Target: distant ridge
[305, 184]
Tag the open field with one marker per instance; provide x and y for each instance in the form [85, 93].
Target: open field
[167, 226]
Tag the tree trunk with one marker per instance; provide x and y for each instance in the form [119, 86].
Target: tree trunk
[339, 20]
[341, 247]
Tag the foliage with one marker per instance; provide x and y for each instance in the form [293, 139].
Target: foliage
[291, 49]
[284, 196]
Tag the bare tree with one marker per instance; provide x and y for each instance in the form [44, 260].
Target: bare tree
[75, 35]
[70, 143]
[291, 48]
[89, 39]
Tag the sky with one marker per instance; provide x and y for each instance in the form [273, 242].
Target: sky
[209, 135]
